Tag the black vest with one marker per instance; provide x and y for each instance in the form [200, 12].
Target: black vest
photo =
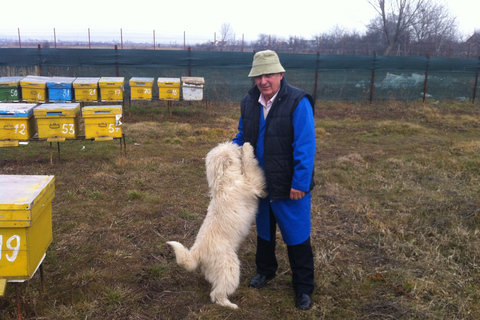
[279, 135]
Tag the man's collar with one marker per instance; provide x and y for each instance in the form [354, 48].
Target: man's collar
[268, 103]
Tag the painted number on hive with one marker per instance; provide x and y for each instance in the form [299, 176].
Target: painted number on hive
[20, 128]
[12, 246]
[68, 128]
[112, 128]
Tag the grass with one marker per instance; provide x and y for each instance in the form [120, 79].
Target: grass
[395, 218]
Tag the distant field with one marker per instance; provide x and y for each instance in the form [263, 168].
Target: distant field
[396, 217]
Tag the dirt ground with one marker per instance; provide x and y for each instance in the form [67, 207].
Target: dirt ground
[395, 217]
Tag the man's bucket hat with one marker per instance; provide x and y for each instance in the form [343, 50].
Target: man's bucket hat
[265, 62]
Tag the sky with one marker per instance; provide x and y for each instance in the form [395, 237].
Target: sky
[197, 20]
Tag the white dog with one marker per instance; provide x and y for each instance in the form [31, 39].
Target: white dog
[235, 181]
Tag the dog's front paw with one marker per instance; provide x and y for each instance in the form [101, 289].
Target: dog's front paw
[247, 149]
[248, 155]
[263, 194]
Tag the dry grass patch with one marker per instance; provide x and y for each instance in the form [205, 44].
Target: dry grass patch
[395, 218]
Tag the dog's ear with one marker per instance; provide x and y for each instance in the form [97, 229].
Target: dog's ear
[222, 164]
[225, 163]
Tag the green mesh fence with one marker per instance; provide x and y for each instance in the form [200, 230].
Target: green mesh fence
[327, 77]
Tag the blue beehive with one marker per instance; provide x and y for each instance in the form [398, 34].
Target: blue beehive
[60, 89]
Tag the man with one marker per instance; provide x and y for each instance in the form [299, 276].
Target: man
[277, 119]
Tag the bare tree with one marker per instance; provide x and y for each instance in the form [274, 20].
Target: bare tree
[434, 25]
[272, 42]
[396, 17]
[226, 35]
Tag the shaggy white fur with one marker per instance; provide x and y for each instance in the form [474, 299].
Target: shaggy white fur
[236, 182]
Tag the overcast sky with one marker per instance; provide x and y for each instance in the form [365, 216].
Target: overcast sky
[199, 19]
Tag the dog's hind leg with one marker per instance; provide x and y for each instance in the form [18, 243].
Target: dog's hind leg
[224, 302]
[225, 281]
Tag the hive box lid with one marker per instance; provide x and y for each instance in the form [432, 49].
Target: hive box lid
[139, 81]
[168, 82]
[16, 109]
[19, 194]
[35, 81]
[98, 111]
[48, 110]
[111, 81]
[82, 82]
[10, 81]
[193, 80]
[64, 82]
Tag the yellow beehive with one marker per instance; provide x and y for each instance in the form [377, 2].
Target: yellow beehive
[34, 88]
[25, 224]
[86, 89]
[141, 88]
[102, 122]
[57, 121]
[169, 88]
[111, 88]
[17, 123]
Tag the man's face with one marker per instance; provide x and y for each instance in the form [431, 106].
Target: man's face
[268, 84]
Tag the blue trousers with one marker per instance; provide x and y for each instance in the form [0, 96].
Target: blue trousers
[300, 257]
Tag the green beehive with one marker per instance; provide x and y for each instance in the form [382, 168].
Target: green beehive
[10, 89]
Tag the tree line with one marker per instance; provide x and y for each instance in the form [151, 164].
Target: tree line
[400, 27]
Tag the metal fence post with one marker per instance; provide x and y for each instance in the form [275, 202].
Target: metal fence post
[426, 78]
[316, 79]
[372, 85]
[189, 61]
[116, 61]
[40, 66]
[19, 39]
[476, 82]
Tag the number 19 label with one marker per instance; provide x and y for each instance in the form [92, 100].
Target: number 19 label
[12, 249]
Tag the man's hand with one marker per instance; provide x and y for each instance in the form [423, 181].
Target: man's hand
[296, 194]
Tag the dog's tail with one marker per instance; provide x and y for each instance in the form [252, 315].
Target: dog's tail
[184, 257]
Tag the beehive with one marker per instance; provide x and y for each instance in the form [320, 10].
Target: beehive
[102, 122]
[169, 89]
[16, 123]
[60, 89]
[34, 88]
[111, 88]
[86, 89]
[192, 88]
[141, 88]
[10, 88]
[57, 121]
[25, 224]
